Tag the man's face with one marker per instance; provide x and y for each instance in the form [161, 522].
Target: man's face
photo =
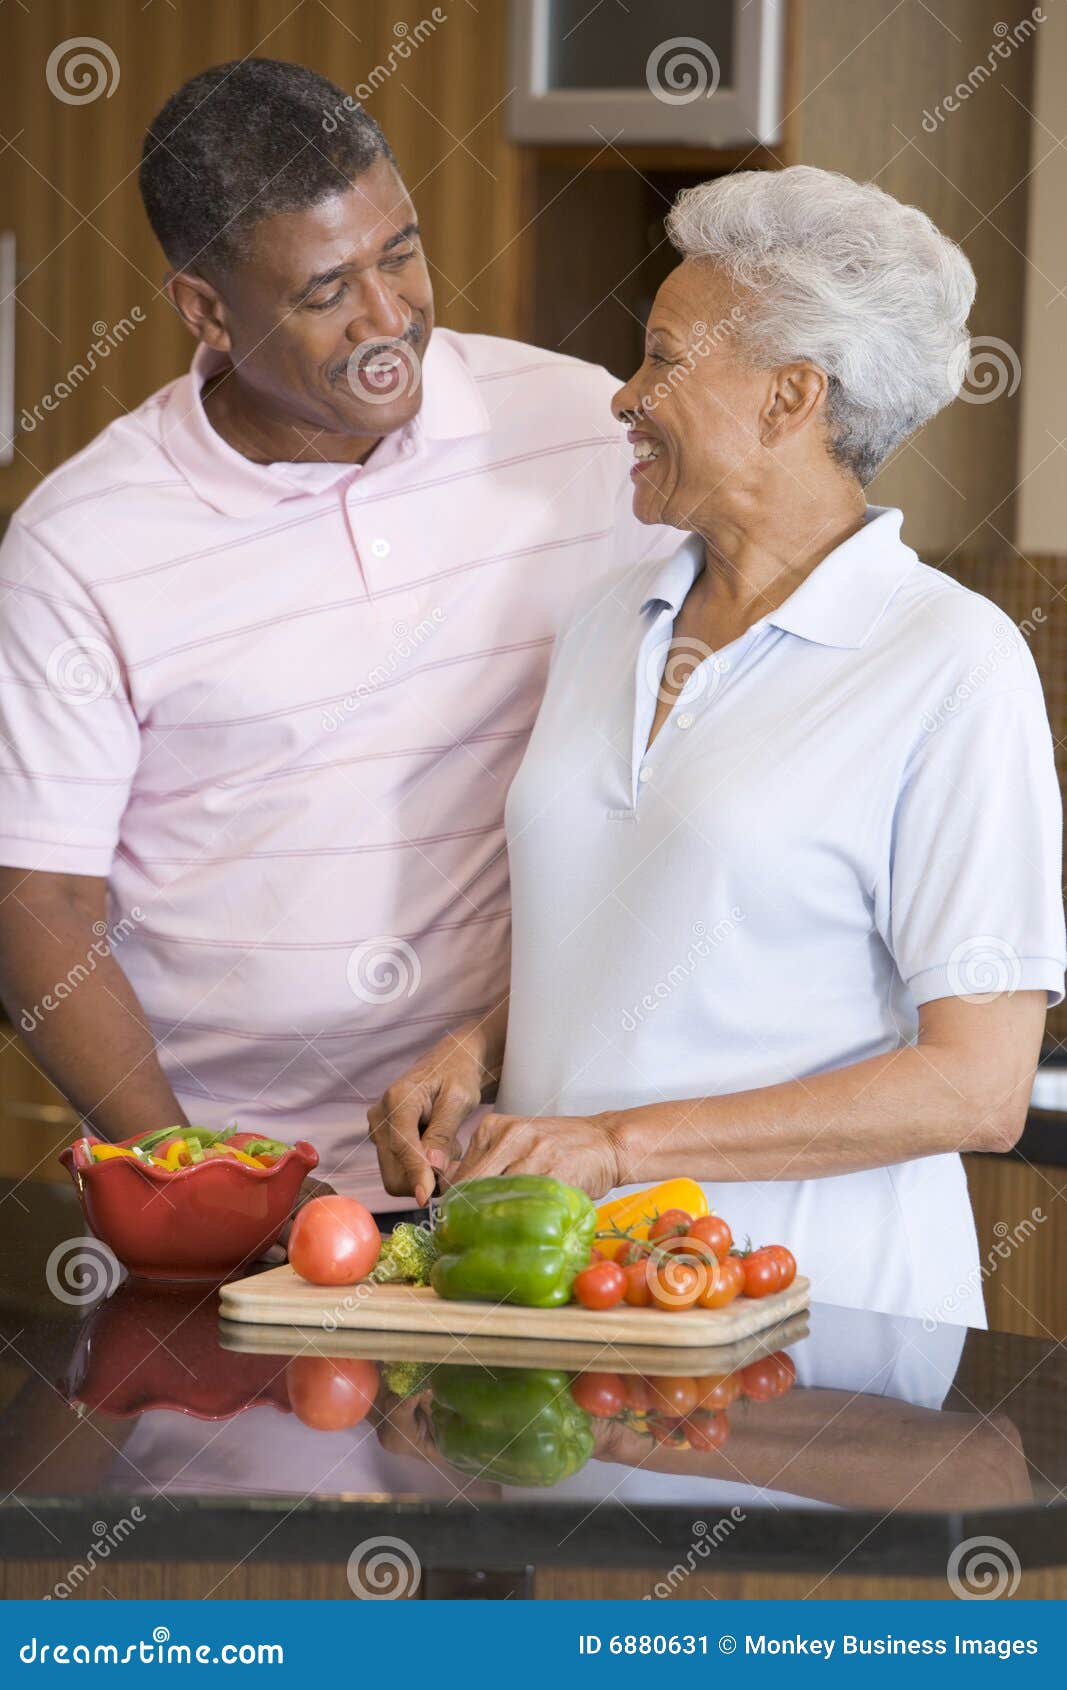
[329, 317]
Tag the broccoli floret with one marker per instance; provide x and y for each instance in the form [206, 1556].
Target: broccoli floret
[405, 1378]
[407, 1255]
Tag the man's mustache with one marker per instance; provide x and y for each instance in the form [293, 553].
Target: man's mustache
[413, 336]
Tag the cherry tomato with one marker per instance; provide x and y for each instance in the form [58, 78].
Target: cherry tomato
[600, 1394]
[600, 1286]
[714, 1231]
[331, 1393]
[638, 1393]
[674, 1285]
[762, 1274]
[717, 1391]
[770, 1376]
[707, 1431]
[787, 1264]
[595, 1256]
[637, 1291]
[729, 1284]
[631, 1253]
[670, 1395]
[334, 1241]
[670, 1224]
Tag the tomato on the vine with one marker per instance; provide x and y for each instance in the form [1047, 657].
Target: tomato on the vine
[729, 1284]
[717, 1391]
[600, 1394]
[705, 1430]
[787, 1264]
[671, 1224]
[637, 1292]
[762, 1273]
[600, 1286]
[672, 1394]
[675, 1285]
[770, 1376]
[714, 1231]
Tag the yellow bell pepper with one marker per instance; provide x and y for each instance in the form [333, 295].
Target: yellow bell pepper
[634, 1214]
[178, 1155]
[243, 1156]
[104, 1152]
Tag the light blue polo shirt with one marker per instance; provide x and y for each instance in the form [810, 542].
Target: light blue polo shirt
[851, 810]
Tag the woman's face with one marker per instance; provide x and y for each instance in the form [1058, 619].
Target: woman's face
[694, 406]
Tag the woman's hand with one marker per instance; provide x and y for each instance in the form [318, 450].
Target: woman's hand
[437, 1094]
[578, 1149]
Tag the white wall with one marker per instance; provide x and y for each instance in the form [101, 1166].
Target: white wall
[1042, 507]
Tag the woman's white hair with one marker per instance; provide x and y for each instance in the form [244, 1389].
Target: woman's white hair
[848, 278]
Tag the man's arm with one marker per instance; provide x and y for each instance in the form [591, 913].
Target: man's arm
[94, 1043]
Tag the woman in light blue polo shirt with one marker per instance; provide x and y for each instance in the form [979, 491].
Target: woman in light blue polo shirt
[785, 845]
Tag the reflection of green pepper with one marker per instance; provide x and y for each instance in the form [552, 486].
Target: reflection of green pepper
[520, 1427]
[517, 1239]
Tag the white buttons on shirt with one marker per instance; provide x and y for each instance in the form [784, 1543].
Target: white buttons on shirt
[646, 774]
[685, 720]
[380, 548]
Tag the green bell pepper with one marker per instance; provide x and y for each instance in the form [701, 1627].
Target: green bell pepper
[516, 1239]
[519, 1427]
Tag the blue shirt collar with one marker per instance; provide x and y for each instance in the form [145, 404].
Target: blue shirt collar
[842, 599]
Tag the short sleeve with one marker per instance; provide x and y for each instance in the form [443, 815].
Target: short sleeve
[69, 740]
[976, 906]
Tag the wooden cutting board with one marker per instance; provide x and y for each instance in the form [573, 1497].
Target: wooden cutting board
[281, 1298]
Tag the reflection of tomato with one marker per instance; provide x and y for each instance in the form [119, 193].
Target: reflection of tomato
[600, 1394]
[672, 1395]
[600, 1286]
[331, 1393]
[714, 1231]
[334, 1241]
[638, 1393]
[637, 1293]
[770, 1376]
[728, 1284]
[718, 1390]
[707, 1431]
[668, 1430]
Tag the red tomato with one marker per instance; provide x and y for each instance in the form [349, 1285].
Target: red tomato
[707, 1431]
[632, 1253]
[334, 1241]
[787, 1264]
[331, 1393]
[770, 1376]
[668, 1431]
[672, 1223]
[638, 1393]
[600, 1394]
[675, 1285]
[717, 1391]
[730, 1284]
[600, 1286]
[671, 1395]
[714, 1231]
[595, 1256]
[637, 1293]
[762, 1274]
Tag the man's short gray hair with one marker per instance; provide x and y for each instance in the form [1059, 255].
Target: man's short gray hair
[848, 278]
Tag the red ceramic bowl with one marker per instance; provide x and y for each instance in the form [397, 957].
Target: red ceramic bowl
[203, 1222]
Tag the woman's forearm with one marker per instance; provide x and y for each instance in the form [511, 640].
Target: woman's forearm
[921, 1100]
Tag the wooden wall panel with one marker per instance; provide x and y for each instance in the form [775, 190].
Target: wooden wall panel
[68, 177]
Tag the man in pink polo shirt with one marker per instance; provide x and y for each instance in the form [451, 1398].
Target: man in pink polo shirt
[272, 645]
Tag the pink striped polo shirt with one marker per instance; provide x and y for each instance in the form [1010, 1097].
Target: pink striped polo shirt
[280, 708]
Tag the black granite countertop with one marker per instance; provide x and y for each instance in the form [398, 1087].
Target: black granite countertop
[138, 1415]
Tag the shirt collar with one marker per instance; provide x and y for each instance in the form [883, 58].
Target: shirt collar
[451, 408]
[842, 599]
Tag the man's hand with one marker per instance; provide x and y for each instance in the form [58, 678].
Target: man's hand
[442, 1089]
[577, 1149]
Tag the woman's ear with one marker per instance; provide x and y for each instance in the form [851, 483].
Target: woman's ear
[797, 393]
[200, 308]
